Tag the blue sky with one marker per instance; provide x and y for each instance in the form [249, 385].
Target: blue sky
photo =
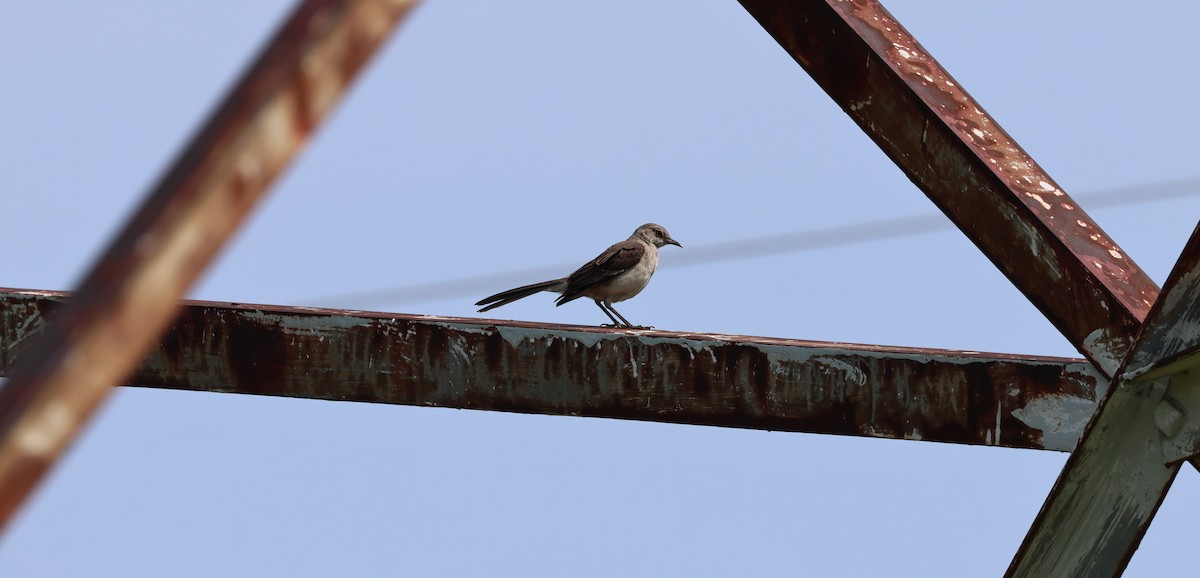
[492, 136]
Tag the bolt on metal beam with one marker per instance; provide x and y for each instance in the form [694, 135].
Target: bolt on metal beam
[1113, 483]
[1178, 417]
[720, 380]
[970, 167]
[131, 293]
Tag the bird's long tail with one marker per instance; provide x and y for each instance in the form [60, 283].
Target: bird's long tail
[506, 297]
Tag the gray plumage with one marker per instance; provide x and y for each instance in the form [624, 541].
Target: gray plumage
[617, 274]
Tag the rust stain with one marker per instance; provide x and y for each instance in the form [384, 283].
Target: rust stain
[1037, 191]
[970, 167]
[688, 378]
[130, 294]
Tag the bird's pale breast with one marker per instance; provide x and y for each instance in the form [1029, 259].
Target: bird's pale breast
[631, 282]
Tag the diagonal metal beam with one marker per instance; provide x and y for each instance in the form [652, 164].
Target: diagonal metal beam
[1113, 483]
[131, 293]
[1108, 492]
[970, 167]
[720, 380]
[1173, 338]
[1046, 245]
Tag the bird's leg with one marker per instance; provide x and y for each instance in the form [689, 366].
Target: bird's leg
[615, 323]
[622, 317]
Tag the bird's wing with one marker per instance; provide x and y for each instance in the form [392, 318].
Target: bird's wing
[612, 262]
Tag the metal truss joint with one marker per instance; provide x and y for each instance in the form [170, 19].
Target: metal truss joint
[1178, 418]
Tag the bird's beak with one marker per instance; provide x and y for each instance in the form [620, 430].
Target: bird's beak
[670, 241]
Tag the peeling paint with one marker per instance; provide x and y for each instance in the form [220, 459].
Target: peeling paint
[1040, 200]
[1107, 349]
[1060, 418]
[965, 162]
[693, 344]
[1173, 335]
[850, 374]
[706, 379]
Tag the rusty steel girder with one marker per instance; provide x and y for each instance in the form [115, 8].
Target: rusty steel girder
[970, 167]
[1019, 217]
[721, 380]
[1046, 245]
[1114, 482]
[132, 292]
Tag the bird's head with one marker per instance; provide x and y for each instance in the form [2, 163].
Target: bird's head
[655, 235]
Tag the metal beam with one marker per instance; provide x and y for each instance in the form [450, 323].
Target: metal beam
[1113, 483]
[720, 380]
[1174, 336]
[1106, 495]
[970, 167]
[131, 293]
[1178, 416]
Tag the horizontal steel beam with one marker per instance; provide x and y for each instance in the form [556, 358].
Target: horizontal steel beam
[719, 380]
[969, 167]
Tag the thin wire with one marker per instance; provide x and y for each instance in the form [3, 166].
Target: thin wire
[767, 245]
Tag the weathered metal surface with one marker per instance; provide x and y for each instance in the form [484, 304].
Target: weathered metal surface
[1175, 342]
[721, 380]
[1174, 337]
[1108, 492]
[970, 167]
[1178, 417]
[131, 293]
[1113, 483]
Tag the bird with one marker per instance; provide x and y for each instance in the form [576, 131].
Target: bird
[617, 274]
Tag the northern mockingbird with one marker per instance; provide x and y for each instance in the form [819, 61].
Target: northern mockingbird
[620, 272]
